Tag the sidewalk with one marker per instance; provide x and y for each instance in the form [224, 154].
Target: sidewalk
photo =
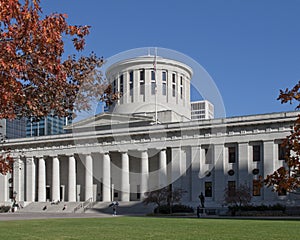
[28, 216]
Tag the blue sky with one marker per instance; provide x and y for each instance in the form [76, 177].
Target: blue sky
[250, 48]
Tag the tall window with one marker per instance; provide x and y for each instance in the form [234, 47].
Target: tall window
[164, 83]
[181, 87]
[208, 156]
[256, 153]
[131, 82]
[208, 189]
[256, 187]
[142, 81]
[153, 75]
[231, 188]
[153, 83]
[173, 84]
[282, 151]
[231, 154]
[114, 86]
[121, 84]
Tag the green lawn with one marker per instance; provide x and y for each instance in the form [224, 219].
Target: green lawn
[149, 228]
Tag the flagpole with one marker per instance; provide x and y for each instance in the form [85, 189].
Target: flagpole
[155, 63]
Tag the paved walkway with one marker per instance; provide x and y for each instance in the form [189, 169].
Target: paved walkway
[27, 216]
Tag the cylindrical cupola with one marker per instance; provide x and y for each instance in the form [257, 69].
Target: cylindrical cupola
[150, 85]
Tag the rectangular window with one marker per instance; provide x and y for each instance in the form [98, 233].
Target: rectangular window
[142, 82]
[173, 90]
[181, 87]
[142, 74]
[231, 188]
[131, 82]
[153, 75]
[153, 88]
[114, 86]
[256, 153]
[164, 89]
[164, 76]
[122, 84]
[208, 189]
[164, 83]
[153, 83]
[173, 78]
[281, 152]
[231, 155]
[142, 88]
[173, 84]
[181, 92]
[256, 187]
[208, 156]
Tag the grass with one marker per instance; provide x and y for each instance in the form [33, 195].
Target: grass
[149, 228]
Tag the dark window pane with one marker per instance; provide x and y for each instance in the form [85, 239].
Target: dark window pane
[164, 76]
[231, 188]
[256, 153]
[152, 75]
[281, 152]
[256, 187]
[208, 189]
[231, 155]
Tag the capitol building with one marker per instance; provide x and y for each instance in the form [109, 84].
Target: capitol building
[147, 140]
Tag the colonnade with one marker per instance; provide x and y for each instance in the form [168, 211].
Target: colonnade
[93, 176]
[32, 182]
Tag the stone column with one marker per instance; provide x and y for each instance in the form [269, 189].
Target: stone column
[125, 189]
[197, 172]
[88, 177]
[17, 181]
[144, 173]
[219, 183]
[176, 167]
[162, 172]
[268, 167]
[55, 179]
[30, 179]
[4, 187]
[72, 179]
[42, 180]
[243, 164]
[106, 178]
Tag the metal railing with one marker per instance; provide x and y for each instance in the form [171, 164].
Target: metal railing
[85, 205]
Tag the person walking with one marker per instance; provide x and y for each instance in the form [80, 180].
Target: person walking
[114, 206]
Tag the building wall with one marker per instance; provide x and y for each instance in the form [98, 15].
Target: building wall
[196, 160]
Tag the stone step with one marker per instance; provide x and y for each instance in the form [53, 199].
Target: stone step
[67, 207]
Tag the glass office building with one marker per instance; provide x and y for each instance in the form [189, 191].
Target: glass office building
[50, 125]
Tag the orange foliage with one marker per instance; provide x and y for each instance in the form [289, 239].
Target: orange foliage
[35, 81]
[287, 177]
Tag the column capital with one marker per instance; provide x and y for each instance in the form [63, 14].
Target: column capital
[160, 149]
[142, 150]
[123, 151]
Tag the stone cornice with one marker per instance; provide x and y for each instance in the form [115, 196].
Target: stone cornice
[229, 128]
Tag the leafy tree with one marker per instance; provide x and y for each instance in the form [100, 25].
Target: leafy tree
[287, 177]
[238, 196]
[35, 79]
[158, 197]
[163, 196]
